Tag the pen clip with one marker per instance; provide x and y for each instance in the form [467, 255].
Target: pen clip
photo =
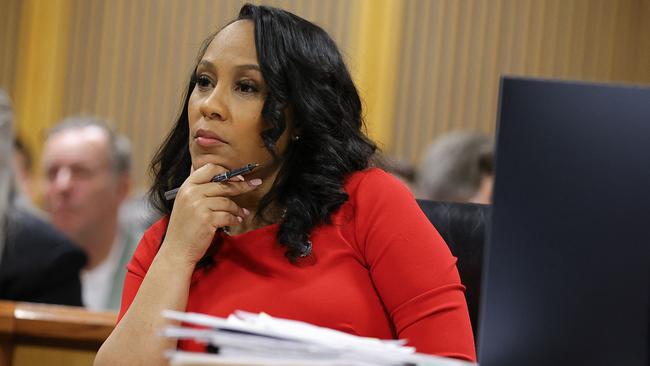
[221, 177]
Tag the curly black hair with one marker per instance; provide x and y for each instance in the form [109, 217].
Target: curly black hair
[304, 72]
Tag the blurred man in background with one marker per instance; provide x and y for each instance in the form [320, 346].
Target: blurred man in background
[457, 167]
[87, 178]
[399, 168]
[37, 263]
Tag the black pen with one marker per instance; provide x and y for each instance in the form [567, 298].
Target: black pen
[222, 177]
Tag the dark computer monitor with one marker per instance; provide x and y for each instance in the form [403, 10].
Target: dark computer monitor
[566, 276]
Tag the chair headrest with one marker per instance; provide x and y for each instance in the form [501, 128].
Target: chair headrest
[462, 225]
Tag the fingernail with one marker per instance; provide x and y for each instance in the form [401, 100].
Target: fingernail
[255, 182]
[239, 178]
[246, 212]
[239, 219]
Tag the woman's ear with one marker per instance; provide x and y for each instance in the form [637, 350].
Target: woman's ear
[287, 137]
[293, 130]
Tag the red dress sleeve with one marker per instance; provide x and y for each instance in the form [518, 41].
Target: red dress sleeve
[412, 268]
[142, 258]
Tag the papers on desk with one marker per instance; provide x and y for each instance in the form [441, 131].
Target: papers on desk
[258, 339]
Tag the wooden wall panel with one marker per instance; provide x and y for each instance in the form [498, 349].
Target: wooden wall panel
[596, 40]
[374, 64]
[128, 61]
[40, 67]
[9, 17]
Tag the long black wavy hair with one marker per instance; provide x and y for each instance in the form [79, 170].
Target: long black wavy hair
[305, 72]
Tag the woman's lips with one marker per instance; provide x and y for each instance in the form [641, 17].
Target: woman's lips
[208, 142]
[205, 138]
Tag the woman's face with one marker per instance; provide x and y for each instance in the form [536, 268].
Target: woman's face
[225, 107]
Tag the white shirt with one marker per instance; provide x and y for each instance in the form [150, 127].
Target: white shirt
[97, 283]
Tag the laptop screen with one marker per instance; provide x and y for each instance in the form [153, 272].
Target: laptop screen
[566, 275]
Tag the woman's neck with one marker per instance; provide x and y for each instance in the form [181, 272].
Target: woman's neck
[251, 202]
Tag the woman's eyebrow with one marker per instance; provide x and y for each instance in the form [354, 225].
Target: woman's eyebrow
[248, 67]
[211, 67]
[206, 64]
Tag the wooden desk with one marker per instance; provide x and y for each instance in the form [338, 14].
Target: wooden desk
[39, 334]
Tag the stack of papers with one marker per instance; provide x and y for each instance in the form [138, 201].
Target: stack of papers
[245, 339]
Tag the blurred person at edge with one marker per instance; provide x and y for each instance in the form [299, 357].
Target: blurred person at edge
[457, 167]
[23, 169]
[37, 263]
[87, 178]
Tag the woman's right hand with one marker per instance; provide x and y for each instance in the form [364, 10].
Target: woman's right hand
[200, 209]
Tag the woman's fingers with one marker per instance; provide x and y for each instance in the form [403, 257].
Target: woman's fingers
[224, 204]
[229, 188]
[213, 195]
[222, 218]
[212, 189]
[200, 183]
[205, 173]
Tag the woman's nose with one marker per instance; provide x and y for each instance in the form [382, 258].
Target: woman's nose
[214, 106]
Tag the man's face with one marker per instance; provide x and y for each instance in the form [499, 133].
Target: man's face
[81, 185]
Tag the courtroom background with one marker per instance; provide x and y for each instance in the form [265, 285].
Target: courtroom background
[424, 67]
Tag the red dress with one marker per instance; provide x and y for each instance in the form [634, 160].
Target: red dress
[379, 269]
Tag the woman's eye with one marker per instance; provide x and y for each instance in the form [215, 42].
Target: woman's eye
[203, 81]
[247, 87]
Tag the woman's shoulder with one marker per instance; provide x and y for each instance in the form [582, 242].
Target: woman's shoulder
[375, 182]
[375, 194]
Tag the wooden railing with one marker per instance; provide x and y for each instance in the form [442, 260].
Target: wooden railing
[39, 334]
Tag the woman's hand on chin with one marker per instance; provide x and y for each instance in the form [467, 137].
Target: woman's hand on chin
[201, 207]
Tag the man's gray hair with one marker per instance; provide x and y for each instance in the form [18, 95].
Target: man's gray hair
[452, 166]
[120, 147]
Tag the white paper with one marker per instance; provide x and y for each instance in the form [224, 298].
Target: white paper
[258, 339]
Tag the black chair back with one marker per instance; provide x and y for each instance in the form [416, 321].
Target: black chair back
[462, 225]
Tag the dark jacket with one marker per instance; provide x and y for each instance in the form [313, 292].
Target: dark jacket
[39, 264]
